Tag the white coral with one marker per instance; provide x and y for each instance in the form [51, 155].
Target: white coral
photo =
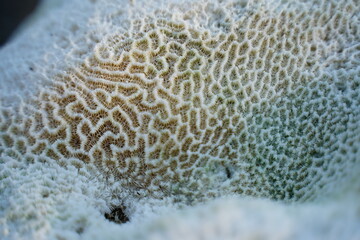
[155, 105]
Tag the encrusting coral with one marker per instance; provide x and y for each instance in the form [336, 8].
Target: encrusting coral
[162, 101]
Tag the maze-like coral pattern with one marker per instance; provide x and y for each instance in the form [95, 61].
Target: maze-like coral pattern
[260, 108]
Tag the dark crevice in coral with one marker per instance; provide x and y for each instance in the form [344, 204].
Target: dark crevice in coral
[117, 215]
[228, 172]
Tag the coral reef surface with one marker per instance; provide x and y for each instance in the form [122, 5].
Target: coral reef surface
[186, 119]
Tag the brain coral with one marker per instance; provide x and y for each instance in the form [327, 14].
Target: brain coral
[162, 100]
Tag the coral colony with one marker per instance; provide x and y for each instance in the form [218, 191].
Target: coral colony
[159, 119]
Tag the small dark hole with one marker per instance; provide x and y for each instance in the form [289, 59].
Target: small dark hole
[80, 230]
[117, 215]
[228, 172]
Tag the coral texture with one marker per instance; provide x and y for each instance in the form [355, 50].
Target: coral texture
[156, 102]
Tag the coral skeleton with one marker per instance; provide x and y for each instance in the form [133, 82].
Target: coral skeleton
[212, 119]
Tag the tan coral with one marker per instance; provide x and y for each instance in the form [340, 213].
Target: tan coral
[179, 110]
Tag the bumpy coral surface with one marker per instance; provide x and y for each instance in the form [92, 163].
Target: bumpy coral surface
[168, 101]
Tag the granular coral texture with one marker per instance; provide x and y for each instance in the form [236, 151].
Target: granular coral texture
[34, 198]
[254, 99]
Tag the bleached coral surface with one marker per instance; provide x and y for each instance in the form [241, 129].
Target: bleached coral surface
[200, 119]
